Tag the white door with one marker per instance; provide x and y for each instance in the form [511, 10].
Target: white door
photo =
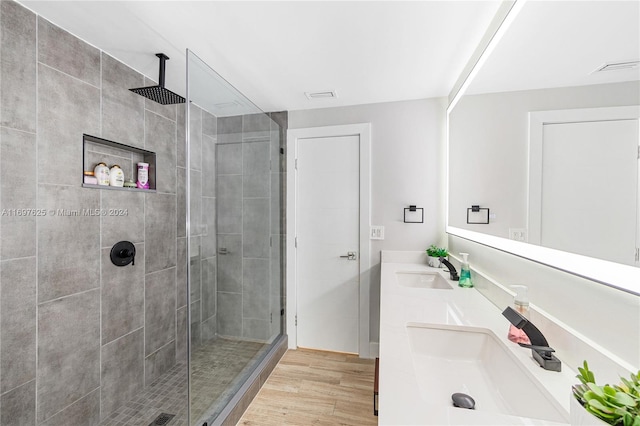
[327, 232]
[590, 188]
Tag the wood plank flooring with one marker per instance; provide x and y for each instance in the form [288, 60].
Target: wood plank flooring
[310, 387]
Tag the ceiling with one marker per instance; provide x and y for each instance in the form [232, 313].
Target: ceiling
[274, 52]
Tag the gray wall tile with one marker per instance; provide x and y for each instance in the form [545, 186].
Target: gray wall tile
[127, 221]
[255, 289]
[209, 124]
[276, 203]
[229, 204]
[122, 371]
[228, 158]
[159, 362]
[68, 351]
[255, 225]
[85, 412]
[196, 319]
[209, 330]
[195, 270]
[17, 322]
[230, 129]
[122, 110]
[17, 67]
[181, 273]
[195, 136]
[62, 51]
[230, 265]
[256, 185]
[167, 111]
[63, 275]
[255, 165]
[256, 329]
[160, 309]
[196, 203]
[208, 166]
[18, 191]
[160, 232]
[160, 137]
[181, 140]
[256, 126]
[181, 335]
[19, 406]
[229, 314]
[209, 288]
[181, 217]
[122, 294]
[67, 108]
[208, 227]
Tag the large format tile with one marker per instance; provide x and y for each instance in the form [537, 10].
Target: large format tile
[85, 412]
[195, 137]
[229, 314]
[277, 203]
[230, 129]
[208, 227]
[229, 204]
[181, 273]
[208, 166]
[63, 51]
[181, 140]
[255, 289]
[160, 232]
[196, 203]
[181, 335]
[122, 374]
[195, 269]
[256, 126]
[67, 108]
[124, 219]
[159, 362]
[17, 322]
[181, 214]
[122, 294]
[209, 288]
[17, 67]
[160, 137]
[19, 406]
[256, 227]
[228, 158]
[122, 110]
[18, 191]
[256, 165]
[71, 244]
[196, 322]
[256, 329]
[230, 265]
[68, 351]
[159, 309]
[209, 124]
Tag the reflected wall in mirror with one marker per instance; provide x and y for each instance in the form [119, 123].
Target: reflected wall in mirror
[548, 142]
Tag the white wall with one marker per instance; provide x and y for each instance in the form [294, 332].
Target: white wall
[407, 167]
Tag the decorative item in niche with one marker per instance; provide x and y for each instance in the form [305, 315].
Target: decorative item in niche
[478, 215]
[413, 214]
[109, 153]
[435, 253]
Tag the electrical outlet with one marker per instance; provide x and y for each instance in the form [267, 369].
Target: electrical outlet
[518, 234]
[376, 232]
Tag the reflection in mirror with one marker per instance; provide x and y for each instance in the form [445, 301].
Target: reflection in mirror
[546, 134]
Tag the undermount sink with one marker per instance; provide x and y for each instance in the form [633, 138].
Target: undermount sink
[472, 360]
[423, 279]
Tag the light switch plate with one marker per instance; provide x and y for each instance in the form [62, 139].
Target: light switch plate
[376, 232]
[518, 234]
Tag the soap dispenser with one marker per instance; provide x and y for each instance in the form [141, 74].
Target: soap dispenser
[465, 272]
[520, 304]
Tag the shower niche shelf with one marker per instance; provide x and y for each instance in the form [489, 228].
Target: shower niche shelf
[96, 150]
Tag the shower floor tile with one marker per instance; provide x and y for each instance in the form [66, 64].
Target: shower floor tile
[218, 367]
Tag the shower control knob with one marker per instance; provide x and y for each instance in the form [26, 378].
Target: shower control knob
[123, 253]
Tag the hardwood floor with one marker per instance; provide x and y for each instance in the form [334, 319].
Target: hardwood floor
[310, 387]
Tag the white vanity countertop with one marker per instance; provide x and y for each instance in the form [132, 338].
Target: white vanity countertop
[400, 402]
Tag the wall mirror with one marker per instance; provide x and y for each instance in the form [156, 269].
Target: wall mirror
[545, 134]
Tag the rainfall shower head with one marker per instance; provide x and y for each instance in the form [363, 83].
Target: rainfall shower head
[159, 93]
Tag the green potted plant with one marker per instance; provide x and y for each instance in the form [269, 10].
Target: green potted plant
[613, 405]
[435, 253]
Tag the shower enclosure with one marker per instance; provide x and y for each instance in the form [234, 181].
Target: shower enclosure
[234, 158]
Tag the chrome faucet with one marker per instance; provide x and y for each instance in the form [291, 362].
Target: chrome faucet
[452, 270]
[539, 346]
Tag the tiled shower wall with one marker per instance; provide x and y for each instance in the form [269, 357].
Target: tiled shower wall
[249, 175]
[78, 335]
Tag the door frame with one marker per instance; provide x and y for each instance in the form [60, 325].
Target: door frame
[363, 131]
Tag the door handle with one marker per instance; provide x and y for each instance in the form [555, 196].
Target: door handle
[351, 255]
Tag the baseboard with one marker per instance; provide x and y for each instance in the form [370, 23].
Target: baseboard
[374, 349]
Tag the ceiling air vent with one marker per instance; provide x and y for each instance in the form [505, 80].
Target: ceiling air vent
[616, 66]
[325, 94]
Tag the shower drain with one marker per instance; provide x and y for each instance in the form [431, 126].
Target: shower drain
[162, 419]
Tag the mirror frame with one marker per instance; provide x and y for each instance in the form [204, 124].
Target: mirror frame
[616, 275]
